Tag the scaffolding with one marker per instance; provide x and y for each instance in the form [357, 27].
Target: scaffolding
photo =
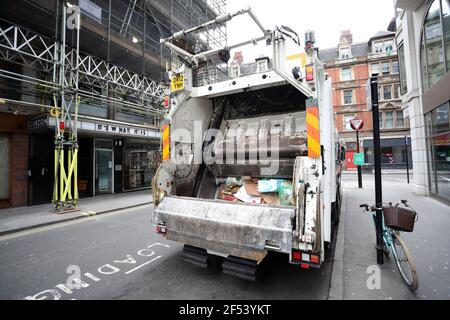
[110, 64]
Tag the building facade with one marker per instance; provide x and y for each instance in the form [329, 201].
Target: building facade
[350, 65]
[423, 39]
[115, 70]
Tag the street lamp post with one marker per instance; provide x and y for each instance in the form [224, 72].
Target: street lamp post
[372, 103]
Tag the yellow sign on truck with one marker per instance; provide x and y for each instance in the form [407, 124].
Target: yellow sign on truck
[177, 83]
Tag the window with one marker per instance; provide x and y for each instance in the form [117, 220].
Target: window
[346, 74]
[385, 68]
[381, 120]
[435, 53]
[347, 119]
[4, 167]
[439, 117]
[401, 60]
[235, 71]
[378, 47]
[389, 120]
[446, 25]
[384, 46]
[348, 96]
[400, 120]
[388, 46]
[387, 92]
[262, 66]
[387, 155]
[396, 91]
[375, 69]
[395, 69]
[438, 137]
[345, 53]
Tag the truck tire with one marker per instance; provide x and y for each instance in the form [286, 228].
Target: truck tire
[336, 208]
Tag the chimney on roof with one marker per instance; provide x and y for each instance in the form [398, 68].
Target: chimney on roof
[346, 38]
[392, 26]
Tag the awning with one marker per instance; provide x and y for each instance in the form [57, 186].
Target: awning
[388, 142]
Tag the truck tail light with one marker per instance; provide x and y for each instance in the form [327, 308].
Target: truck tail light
[305, 259]
[309, 73]
[166, 102]
[161, 229]
[314, 259]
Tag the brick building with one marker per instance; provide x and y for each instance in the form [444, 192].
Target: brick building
[350, 65]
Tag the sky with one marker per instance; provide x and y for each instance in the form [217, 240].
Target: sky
[364, 18]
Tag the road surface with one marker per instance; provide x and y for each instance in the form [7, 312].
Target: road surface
[119, 256]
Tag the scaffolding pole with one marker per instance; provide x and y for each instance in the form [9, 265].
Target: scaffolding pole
[65, 192]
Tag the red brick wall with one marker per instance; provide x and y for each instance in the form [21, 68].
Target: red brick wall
[16, 127]
[19, 156]
[360, 76]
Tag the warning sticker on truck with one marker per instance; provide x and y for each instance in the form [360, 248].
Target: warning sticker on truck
[177, 83]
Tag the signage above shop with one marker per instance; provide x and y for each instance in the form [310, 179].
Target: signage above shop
[124, 130]
[101, 128]
[38, 122]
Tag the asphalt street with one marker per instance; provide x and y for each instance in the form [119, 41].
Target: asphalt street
[119, 256]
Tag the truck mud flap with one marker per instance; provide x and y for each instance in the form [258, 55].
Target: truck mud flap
[195, 256]
[235, 229]
[240, 268]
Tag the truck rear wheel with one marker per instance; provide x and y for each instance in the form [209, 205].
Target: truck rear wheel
[336, 209]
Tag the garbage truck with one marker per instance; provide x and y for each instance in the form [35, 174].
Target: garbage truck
[251, 160]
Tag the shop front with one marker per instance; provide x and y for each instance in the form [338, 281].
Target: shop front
[395, 152]
[123, 160]
[114, 157]
[140, 164]
[438, 143]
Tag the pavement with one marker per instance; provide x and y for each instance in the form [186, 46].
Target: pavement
[355, 254]
[25, 218]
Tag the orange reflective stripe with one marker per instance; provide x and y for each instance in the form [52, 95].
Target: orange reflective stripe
[313, 131]
[166, 142]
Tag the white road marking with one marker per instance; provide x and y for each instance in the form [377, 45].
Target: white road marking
[91, 276]
[138, 267]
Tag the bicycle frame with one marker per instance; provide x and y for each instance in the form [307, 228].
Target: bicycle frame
[386, 235]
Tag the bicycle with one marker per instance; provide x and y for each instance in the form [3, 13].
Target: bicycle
[396, 219]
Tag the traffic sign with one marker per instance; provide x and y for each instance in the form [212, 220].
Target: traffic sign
[356, 124]
[358, 159]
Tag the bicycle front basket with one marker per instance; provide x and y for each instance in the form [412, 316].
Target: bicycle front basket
[401, 219]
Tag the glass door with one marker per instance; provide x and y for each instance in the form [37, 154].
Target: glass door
[103, 170]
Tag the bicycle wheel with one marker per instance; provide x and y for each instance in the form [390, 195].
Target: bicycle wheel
[405, 263]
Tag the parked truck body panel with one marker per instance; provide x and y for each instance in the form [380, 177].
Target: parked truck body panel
[272, 124]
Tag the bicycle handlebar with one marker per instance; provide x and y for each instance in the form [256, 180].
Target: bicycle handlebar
[374, 208]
